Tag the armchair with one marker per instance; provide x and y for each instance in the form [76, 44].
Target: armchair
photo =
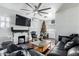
[34, 35]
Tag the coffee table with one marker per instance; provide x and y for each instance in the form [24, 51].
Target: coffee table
[36, 45]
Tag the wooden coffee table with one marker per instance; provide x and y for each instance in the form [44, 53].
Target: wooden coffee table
[41, 49]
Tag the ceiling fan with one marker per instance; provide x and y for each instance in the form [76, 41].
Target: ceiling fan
[36, 9]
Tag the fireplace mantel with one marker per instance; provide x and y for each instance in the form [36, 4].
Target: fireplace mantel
[19, 29]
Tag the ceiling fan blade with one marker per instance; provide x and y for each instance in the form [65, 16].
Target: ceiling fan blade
[35, 7]
[44, 9]
[29, 5]
[28, 13]
[34, 14]
[25, 9]
[39, 14]
[39, 5]
[44, 12]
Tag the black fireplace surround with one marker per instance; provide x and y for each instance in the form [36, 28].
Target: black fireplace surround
[21, 40]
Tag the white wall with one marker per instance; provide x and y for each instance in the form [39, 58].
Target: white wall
[36, 26]
[50, 29]
[67, 20]
[5, 33]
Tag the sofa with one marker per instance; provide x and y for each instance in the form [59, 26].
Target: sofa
[66, 46]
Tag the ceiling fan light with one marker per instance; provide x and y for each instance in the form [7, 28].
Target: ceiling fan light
[35, 12]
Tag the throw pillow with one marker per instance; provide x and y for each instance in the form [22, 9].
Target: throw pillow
[76, 40]
[11, 48]
[73, 42]
[60, 37]
[69, 45]
[73, 35]
[65, 40]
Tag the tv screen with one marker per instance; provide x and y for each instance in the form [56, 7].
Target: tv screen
[23, 21]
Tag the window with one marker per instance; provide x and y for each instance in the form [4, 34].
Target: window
[4, 22]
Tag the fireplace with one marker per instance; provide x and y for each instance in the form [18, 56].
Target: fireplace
[20, 34]
[21, 39]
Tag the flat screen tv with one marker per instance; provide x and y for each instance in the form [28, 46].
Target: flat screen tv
[23, 21]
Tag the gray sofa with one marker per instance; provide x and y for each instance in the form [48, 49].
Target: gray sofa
[66, 46]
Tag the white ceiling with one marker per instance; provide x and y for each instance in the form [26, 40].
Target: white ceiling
[66, 6]
[18, 6]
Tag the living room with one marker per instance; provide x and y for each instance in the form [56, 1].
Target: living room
[38, 29]
[13, 28]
